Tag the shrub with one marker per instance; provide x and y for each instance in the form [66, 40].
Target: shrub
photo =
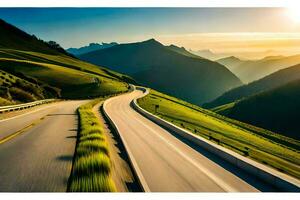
[5, 102]
[21, 95]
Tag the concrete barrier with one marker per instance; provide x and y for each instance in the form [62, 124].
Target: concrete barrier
[277, 179]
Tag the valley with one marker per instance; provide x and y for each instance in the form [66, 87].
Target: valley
[93, 136]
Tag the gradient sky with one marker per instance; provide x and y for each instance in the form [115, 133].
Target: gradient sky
[189, 27]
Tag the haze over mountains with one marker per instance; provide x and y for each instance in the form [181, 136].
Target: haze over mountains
[90, 47]
[171, 70]
[272, 102]
[251, 70]
[208, 54]
[269, 82]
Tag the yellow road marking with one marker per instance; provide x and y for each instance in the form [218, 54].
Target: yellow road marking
[13, 135]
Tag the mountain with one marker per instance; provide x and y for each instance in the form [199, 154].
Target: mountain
[182, 51]
[269, 82]
[252, 70]
[32, 69]
[157, 66]
[232, 63]
[13, 38]
[276, 110]
[90, 47]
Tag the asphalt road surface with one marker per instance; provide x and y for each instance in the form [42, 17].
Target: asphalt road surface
[165, 162]
[40, 158]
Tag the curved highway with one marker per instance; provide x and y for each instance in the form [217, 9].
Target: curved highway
[164, 162]
[39, 159]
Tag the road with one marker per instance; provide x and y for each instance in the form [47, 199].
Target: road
[165, 162]
[40, 158]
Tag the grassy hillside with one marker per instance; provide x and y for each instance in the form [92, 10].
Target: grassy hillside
[264, 146]
[153, 64]
[269, 82]
[31, 59]
[13, 38]
[252, 70]
[276, 110]
[14, 90]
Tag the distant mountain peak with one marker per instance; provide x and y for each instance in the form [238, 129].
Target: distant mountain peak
[91, 47]
[231, 58]
[273, 57]
[151, 41]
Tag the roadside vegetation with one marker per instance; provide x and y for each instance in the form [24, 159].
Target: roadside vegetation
[91, 170]
[277, 151]
[15, 90]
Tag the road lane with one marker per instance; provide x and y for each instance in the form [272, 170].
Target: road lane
[165, 162]
[40, 159]
[16, 123]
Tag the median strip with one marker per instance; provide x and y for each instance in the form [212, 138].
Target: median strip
[91, 170]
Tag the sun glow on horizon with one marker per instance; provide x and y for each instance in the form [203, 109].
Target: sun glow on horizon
[294, 13]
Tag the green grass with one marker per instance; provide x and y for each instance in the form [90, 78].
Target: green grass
[17, 90]
[279, 152]
[92, 166]
[75, 78]
[223, 108]
[5, 102]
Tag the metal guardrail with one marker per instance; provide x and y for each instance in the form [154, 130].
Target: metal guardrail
[4, 109]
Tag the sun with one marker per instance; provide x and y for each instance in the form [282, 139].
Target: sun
[294, 13]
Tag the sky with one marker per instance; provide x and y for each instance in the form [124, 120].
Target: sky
[218, 29]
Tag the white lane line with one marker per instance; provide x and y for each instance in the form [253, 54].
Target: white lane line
[210, 174]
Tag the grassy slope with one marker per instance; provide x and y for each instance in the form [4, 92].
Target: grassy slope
[159, 67]
[276, 110]
[76, 78]
[264, 146]
[269, 82]
[14, 89]
[28, 57]
[92, 166]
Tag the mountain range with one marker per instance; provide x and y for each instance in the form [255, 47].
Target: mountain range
[251, 70]
[169, 69]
